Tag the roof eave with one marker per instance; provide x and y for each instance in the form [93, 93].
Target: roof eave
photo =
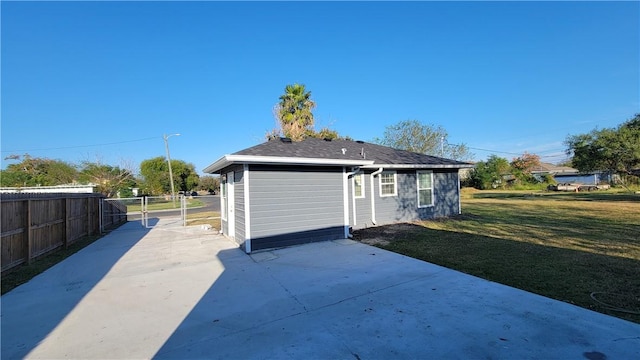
[419, 166]
[217, 165]
[227, 160]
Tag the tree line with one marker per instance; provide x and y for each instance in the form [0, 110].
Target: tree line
[612, 149]
[498, 172]
[111, 181]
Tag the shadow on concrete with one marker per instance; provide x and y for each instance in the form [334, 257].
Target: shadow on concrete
[187, 293]
[29, 320]
[341, 299]
[226, 307]
[263, 306]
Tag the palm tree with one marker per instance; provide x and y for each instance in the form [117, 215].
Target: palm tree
[294, 112]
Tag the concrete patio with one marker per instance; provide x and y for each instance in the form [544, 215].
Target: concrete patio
[173, 292]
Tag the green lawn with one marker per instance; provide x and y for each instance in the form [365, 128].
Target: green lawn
[567, 246]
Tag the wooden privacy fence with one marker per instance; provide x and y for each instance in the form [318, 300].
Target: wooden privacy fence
[36, 224]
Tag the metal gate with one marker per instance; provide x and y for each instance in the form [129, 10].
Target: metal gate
[163, 211]
[202, 210]
[153, 211]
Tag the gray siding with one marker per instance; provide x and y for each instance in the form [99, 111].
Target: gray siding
[404, 206]
[239, 206]
[294, 205]
[446, 194]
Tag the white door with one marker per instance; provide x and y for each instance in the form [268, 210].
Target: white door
[231, 218]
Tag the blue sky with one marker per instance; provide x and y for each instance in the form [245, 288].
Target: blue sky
[103, 81]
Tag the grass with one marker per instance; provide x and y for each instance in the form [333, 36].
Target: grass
[567, 246]
[204, 218]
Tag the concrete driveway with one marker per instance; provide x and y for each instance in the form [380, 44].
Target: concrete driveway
[187, 293]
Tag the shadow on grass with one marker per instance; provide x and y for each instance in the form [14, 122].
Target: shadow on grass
[562, 274]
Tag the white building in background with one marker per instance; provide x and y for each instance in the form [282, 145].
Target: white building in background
[58, 189]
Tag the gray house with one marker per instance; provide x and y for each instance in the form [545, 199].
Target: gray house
[281, 193]
[565, 174]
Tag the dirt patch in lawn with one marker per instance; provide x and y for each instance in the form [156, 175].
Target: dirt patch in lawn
[385, 235]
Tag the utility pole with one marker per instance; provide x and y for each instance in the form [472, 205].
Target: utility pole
[166, 146]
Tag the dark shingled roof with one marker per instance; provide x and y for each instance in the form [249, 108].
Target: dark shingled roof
[555, 169]
[355, 150]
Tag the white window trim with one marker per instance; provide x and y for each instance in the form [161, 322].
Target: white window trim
[395, 184]
[223, 197]
[418, 188]
[362, 193]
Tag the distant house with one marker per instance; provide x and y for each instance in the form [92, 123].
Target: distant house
[593, 178]
[550, 169]
[565, 174]
[282, 193]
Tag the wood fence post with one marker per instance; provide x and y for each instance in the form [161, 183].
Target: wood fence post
[101, 225]
[67, 224]
[94, 219]
[89, 217]
[28, 232]
[95, 222]
[98, 213]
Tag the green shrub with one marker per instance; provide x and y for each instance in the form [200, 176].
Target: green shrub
[125, 193]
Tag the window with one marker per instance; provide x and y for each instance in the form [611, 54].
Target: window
[425, 188]
[388, 184]
[358, 185]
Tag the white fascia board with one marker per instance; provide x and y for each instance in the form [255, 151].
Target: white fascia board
[418, 166]
[281, 160]
[217, 165]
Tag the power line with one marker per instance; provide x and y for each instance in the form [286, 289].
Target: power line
[555, 156]
[494, 151]
[520, 153]
[79, 146]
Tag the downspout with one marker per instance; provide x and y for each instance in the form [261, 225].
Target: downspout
[247, 210]
[459, 195]
[373, 196]
[353, 200]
